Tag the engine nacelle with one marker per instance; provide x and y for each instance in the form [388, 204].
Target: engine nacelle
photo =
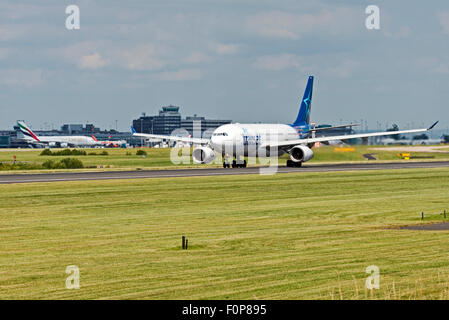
[202, 155]
[301, 153]
[58, 144]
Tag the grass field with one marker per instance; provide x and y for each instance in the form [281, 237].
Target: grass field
[288, 236]
[119, 159]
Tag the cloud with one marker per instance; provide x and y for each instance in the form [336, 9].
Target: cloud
[403, 32]
[443, 18]
[17, 11]
[278, 24]
[273, 24]
[338, 67]
[148, 57]
[342, 70]
[93, 61]
[145, 57]
[5, 53]
[85, 55]
[277, 62]
[180, 75]
[21, 77]
[224, 49]
[10, 32]
[197, 57]
[433, 65]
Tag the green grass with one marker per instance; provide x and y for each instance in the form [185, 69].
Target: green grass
[117, 159]
[288, 236]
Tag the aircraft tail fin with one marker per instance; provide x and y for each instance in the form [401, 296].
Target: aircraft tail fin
[27, 132]
[303, 117]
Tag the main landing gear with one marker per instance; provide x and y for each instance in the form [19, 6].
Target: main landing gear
[292, 164]
[235, 164]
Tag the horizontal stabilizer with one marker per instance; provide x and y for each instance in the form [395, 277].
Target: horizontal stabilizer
[335, 127]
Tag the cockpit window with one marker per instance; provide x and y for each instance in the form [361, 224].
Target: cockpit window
[220, 134]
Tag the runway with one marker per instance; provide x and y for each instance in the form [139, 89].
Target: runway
[176, 173]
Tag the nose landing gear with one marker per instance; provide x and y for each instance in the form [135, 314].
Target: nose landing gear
[226, 163]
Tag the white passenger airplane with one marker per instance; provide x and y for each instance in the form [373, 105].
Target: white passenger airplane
[264, 140]
[110, 143]
[55, 141]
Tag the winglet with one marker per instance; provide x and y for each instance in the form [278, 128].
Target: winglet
[133, 130]
[433, 125]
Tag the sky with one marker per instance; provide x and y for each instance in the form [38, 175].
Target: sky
[224, 59]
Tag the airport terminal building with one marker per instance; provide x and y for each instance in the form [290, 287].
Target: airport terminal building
[169, 119]
[164, 123]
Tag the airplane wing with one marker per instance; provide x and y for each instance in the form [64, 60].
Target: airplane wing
[291, 143]
[174, 138]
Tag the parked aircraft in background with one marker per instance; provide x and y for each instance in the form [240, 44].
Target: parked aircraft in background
[390, 141]
[111, 143]
[55, 141]
[253, 140]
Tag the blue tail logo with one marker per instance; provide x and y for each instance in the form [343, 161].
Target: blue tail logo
[306, 104]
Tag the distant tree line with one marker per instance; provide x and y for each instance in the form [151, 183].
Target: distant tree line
[71, 152]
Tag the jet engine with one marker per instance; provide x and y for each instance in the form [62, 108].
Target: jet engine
[301, 153]
[203, 155]
[58, 144]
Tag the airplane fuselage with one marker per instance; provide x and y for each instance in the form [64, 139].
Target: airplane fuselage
[69, 140]
[246, 139]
